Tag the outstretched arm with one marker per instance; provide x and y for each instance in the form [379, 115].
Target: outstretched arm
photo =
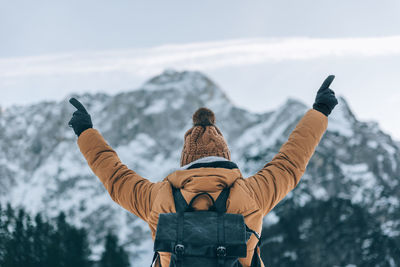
[126, 187]
[278, 177]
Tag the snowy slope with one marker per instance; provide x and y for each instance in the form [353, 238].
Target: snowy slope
[42, 169]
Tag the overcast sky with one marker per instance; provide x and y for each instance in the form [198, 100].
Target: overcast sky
[259, 52]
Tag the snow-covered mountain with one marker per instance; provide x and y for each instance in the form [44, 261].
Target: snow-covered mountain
[42, 169]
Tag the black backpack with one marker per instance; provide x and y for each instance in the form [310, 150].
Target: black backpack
[211, 238]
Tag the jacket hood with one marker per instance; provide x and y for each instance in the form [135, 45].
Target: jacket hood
[210, 174]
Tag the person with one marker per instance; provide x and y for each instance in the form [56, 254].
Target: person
[206, 166]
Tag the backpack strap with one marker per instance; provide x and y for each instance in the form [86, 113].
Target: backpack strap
[255, 261]
[180, 202]
[254, 233]
[181, 206]
[221, 249]
[156, 258]
[218, 205]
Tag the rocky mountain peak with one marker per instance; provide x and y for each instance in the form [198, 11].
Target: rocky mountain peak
[172, 79]
[171, 76]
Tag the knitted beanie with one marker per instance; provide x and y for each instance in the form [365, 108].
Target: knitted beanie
[204, 138]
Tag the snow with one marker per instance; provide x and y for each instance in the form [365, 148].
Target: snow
[132, 123]
[340, 122]
[363, 181]
[263, 135]
[277, 239]
[319, 192]
[303, 199]
[354, 168]
[138, 146]
[139, 152]
[372, 144]
[171, 79]
[271, 219]
[177, 103]
[290, 254]
[388, 226]
[158, 106]
[390, 149]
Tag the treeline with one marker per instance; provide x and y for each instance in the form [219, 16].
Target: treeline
[328, 233]
[33, 241]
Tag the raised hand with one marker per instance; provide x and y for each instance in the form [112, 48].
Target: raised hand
[81, 120]
[325, 101]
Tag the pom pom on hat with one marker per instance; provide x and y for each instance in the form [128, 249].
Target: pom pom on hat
[203, 117]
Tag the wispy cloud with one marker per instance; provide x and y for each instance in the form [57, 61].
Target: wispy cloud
[200, 56]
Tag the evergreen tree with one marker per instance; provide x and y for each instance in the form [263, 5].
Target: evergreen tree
[77, 247]
[4, 235]
[7, 226]
[39, 243]
[327, 233]
[15, 254]
[113, 255]
[69, 246]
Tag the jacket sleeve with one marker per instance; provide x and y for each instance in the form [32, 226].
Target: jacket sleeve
[278, 177]
[126, 187]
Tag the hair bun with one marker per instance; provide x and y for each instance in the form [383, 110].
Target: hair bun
[203, 117]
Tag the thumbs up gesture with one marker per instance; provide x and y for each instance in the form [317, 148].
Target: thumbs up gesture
[80, 118]
[325, 100]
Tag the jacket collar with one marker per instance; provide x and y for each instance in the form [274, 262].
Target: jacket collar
[211, 162]
[205, 174]
[203, 160]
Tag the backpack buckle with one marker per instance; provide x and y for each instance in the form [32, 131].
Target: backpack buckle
[179, 250]
[221, 251]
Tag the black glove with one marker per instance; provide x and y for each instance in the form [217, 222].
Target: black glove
[325, 100]
[80, 119]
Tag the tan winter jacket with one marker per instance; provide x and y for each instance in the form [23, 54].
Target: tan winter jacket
[253, 197]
